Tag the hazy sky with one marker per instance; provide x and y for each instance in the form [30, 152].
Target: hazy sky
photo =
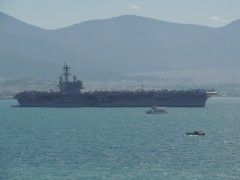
[52, 14]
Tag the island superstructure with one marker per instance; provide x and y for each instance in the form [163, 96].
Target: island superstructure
[70, 95]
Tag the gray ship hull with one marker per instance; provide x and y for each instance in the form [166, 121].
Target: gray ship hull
[129, 99]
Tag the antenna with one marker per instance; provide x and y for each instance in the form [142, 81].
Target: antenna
[66, 73]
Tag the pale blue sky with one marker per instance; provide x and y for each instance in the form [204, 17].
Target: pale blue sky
[52, 14]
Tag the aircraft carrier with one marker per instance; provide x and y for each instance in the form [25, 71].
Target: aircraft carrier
[70, 95]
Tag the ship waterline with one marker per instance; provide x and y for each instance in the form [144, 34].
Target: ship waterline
[70, 95]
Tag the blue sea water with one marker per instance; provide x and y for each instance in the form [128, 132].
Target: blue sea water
[120, 143]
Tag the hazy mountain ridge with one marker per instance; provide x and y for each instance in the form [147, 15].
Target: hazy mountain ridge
[116, 47]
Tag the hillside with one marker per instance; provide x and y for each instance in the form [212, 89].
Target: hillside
[125, 47]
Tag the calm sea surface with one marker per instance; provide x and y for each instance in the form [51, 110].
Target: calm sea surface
[120, 143]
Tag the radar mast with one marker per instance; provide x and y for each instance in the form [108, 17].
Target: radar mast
[66, 73]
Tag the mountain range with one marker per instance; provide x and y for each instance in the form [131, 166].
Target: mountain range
[125, 47]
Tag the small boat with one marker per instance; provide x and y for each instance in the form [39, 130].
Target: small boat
[196, 133]
[157, 110]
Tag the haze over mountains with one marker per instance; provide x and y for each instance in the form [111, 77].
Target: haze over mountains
[126, 47]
